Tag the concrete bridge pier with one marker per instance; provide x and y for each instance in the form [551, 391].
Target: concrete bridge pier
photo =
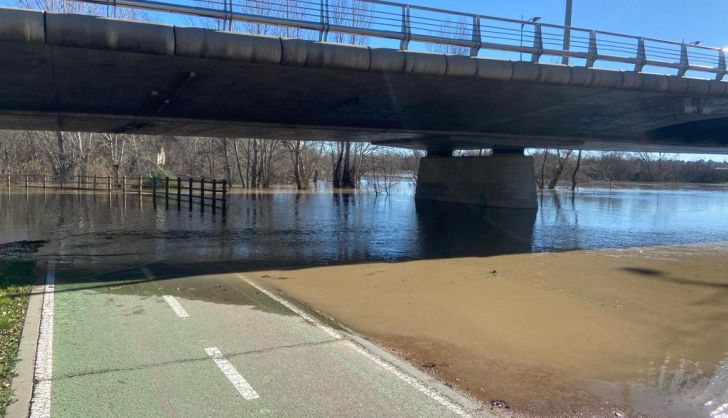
[505, 179]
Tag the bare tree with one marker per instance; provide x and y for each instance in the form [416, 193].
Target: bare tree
[116, 153]
[653, 165]
[347, 159]
[351, 13]
[574, 173]
[458, 30]
[383, 171]
[413, 164]
[560, 164]
[542, 180]
[305, 158]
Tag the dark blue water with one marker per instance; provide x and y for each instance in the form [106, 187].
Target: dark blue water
[325, 228]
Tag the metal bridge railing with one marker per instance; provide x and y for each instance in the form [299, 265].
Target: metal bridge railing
[456, 32]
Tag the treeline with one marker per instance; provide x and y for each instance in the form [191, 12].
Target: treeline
[262, 163]
[567, 168]
[250, 163]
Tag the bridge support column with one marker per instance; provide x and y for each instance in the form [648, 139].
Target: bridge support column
[505, 180]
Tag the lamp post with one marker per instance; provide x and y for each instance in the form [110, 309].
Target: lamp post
[531, 20]
[567, 32]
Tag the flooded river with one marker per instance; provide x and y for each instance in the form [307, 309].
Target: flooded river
[610, 302]
[321, 228]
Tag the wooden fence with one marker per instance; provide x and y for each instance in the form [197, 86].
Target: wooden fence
[211, 193]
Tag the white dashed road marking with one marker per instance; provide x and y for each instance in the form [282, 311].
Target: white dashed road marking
[232, 374]
[176, 307]
[415, 383]
[171, 300]
[41, 401]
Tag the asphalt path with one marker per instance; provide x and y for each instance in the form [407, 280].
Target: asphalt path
[159, 341]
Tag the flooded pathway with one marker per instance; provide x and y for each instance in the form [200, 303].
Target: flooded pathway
[613, 302]
[141, 342]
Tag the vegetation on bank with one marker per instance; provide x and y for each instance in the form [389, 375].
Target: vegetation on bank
[16, 279]
[571, 168]
[261, 163]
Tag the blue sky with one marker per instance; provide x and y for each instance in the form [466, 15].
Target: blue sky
[703, 20]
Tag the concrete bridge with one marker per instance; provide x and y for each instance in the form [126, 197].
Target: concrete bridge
[82, 73]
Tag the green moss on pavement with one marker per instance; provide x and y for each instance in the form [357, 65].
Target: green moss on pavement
[16, 279]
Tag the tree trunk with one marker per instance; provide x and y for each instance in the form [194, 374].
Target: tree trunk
[559, 169]
[576, 170]
[226, 161]
[254, 165]
[346, 175]
[296, 157]
[238, 164]
[541, 182]
[62, 169]
[115, 169]
[336, 181]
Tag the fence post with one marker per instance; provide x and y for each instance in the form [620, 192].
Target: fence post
[202, 195]
[214, 196]
[123, 184]
[140, 186]
[406, 28]
[44, 181]
[108, 183]
[61, 181]
[94, 186]
[26, 182]
[477, 38]
[166, 192]
[78, 182]
[179, 193]
[224, 196]
[189, 192]
[8, 181]
[154, 191]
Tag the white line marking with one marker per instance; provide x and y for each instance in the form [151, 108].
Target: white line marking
[41, 401]
[415, 383]
[147, 273]
[176, 307]
[232, 374]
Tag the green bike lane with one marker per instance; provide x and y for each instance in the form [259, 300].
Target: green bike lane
[121, 349]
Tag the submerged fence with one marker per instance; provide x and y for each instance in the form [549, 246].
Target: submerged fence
[183, 191]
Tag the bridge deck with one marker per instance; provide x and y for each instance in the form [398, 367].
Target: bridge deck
[83, 73]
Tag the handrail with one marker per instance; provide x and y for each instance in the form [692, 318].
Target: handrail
[462, 33]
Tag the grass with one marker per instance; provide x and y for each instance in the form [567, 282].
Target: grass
[16, 279]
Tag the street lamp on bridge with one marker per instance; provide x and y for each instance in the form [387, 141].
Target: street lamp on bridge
[531, 20]
[567, 33]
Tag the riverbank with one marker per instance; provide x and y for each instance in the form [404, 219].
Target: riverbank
[635, 331]
[637, 185]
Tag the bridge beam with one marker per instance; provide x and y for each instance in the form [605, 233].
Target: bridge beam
[505, 180]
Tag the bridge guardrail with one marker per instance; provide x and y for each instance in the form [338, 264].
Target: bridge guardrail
[459, 33]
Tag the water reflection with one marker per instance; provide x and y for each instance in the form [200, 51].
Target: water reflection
[451, 230]
[325, 227]
[676, 388]
[289, 229]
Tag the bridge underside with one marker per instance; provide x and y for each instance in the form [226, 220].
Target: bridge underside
[78, 73]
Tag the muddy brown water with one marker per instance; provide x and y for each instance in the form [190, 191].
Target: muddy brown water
[612, 302]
